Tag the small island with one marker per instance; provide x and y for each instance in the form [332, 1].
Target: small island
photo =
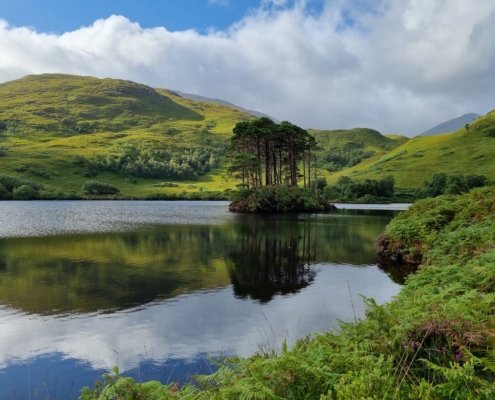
[268, 158]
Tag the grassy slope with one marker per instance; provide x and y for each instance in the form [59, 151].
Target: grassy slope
[53, 118]
[365, 139]
[435, 340]
[465, 151]
[368, 138]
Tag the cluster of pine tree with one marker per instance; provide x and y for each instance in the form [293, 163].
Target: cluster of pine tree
[264, 153]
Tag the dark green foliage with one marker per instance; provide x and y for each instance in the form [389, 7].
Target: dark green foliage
[263, 149]
[486, 128]
[9, 182]
[267, 158]
[18, 189]
[3, 126]
[202, 195]
[24, 192]
[4, 193]
[364, 191]
[442, 183]
[282, 198]
[99, 188]
[321, 184]
[146, 162]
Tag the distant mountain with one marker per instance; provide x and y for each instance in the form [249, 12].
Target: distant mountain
[451, 125]
[203, 99]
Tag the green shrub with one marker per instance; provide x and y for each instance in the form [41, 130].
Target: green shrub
[99, 188]
[24, 192]
[363, 191]
[349, 155]
[4, 193]
[9, 182]
[282, 198]
[442, 183]
[147, 162]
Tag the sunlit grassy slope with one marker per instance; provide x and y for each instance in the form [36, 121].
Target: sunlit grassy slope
[370, 139]
[358, 144]
[47, 121]
[467, 151]
[363, 138]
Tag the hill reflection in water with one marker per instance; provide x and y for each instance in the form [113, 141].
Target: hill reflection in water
[105, 272]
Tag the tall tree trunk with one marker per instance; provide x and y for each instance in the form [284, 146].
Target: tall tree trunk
[274, 162]
[259, 181]
[309, 167]
[268, 176]
[293, 165]
[304, 169]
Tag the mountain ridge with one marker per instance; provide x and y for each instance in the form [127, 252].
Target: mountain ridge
[204, 99]
[451, 125]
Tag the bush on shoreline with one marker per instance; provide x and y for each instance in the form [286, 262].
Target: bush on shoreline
[273, 199]
[369, 190]
[99, 188]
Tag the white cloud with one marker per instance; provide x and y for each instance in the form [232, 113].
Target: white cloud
[402, 66]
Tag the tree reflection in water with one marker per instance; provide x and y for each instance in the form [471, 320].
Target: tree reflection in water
[397, 271]
[273, 261]
[261, 256]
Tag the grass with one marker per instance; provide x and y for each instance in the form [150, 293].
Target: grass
[435, 340]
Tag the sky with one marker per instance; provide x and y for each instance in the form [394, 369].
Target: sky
[398, 66]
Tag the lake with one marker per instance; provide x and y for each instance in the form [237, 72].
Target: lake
[160, 289]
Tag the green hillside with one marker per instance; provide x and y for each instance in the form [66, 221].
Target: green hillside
[467, 151]
[63, 130]
[340, 149]
[57, 132]
[66, 105]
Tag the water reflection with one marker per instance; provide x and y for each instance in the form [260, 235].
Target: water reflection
[171, 292]
[108, 272]
[272, 261]
[105, 272]
[397, 271]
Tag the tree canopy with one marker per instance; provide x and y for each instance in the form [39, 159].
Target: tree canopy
[264, 153]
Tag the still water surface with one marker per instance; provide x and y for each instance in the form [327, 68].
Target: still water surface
[160, 288]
